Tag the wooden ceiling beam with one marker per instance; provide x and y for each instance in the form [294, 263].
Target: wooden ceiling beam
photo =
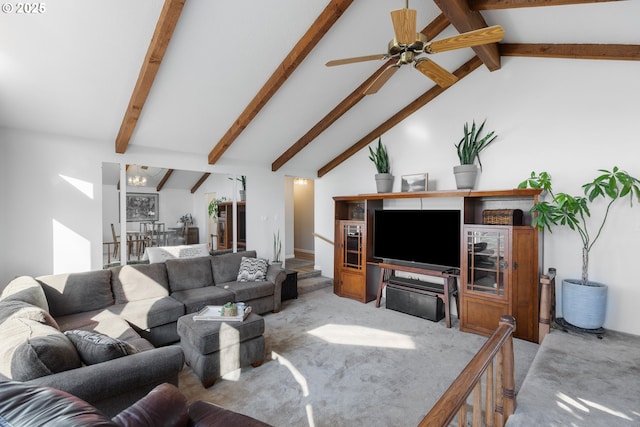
[465, 19]
[625, 52]
[305, 45]
[430, 31]
[414, 106]
[157, 48]
[512, 4]
[202, 179]
[164, 179]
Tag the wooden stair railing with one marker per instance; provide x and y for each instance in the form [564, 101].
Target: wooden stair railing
[547, 303]
[499, 389]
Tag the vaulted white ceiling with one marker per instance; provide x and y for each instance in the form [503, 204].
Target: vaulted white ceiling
[71, 69]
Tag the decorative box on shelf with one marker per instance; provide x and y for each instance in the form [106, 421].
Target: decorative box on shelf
[502, 217]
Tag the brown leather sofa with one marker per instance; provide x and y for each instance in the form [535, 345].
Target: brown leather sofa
[28, 405]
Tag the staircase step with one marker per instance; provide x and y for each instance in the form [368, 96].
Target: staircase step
[308, 274]
[313, 283]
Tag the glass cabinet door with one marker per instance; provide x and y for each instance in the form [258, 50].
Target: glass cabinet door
[352, 253]
[487, 267]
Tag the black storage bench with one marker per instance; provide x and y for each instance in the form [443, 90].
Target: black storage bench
[290, 286]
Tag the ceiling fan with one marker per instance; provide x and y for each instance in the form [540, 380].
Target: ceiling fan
[408, 44]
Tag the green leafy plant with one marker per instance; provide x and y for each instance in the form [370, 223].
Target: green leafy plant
[470, 146]
[379, 157]
[573, 211]
[277, 247]
[213, 206]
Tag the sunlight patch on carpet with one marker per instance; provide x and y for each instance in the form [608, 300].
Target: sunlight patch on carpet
[297, 375]
[362, 336]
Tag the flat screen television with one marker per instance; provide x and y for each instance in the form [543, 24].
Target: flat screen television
[429, 238]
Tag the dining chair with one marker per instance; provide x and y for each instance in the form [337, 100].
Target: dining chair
[116, 245]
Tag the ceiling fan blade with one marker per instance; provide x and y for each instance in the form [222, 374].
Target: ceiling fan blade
[442, 77]
[486, 35]
[404, 25]
[382, 79]
[356, 59]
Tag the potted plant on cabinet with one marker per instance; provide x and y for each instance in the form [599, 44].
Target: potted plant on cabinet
[380, 158]
[243, 182]
[583, 301]
[213, 207]
[469, 149]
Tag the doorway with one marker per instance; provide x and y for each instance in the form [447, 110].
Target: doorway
[300, 241]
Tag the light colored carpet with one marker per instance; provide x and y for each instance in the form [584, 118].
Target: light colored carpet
[333, 361]
[579, 380]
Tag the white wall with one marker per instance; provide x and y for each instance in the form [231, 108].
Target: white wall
[52, 192]
[553, 115]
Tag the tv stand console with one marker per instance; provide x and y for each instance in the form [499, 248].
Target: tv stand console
[445, 291]
[500, 260]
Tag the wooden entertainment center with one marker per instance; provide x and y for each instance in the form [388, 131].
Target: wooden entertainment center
[500, 265]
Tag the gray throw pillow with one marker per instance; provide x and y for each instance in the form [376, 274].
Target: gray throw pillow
[252, 269]
[96, 348]
[31, 349]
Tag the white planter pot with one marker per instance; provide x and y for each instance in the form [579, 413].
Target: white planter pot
[584, 306]
[466, 176]
[384, 182]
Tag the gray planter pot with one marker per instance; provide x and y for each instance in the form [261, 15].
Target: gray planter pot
[384, 182]
[584, 306]
[466, 176]
[243, 196]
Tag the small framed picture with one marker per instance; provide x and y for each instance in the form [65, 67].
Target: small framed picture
[415, 182]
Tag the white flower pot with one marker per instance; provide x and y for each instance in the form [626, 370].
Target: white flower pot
[384, 182]
[584, 306]
[466, 176]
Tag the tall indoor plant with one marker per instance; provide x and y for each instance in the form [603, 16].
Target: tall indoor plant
[380, 158]
[573, 211]
[469, 149]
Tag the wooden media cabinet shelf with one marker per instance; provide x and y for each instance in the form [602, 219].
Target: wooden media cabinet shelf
[499, 264]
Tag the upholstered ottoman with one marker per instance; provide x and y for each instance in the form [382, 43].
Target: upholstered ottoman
[213, 348]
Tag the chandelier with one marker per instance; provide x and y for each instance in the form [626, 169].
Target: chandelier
[137, 180]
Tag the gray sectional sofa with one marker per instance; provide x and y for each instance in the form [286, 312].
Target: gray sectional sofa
[131, 311]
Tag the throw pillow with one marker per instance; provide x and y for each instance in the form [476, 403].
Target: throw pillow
[95, 348]
[252, 269]
[27, 289]
[10, 309]
[31, 349]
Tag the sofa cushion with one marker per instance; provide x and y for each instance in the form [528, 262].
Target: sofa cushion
[107, 323]
[35, 405]
[77, 292]
[31, 350]
[14, 308]
[163, 406]
[196, 299]
[162, 253]
[140, 281]
[247, 291]
[94, 347]
[189, 273]
[225, 267]
[27, 289]
[150, 312]
[252, 269]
